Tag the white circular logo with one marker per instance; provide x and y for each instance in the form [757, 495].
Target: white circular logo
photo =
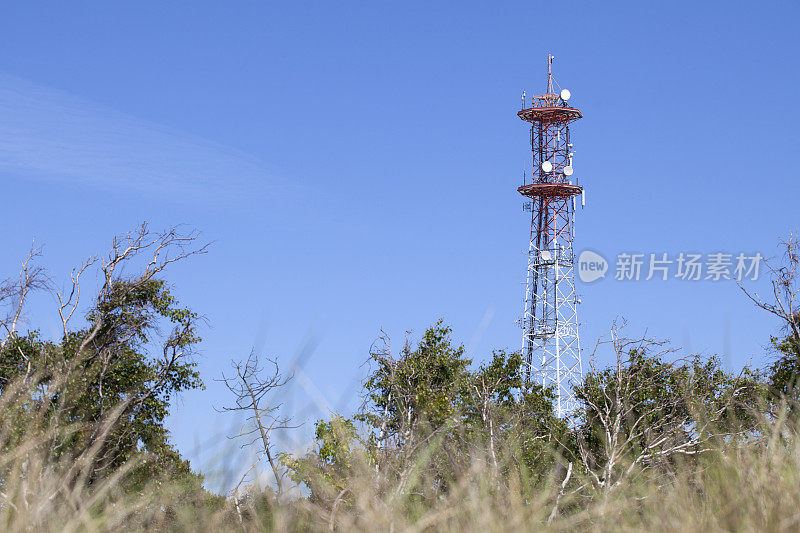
[591, 266]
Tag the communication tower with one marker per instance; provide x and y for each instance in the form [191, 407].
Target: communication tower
[550, 322]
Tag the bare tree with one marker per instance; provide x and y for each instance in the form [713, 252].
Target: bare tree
[14, 292]
[785, 279]
[254, 391]
[645, 411]
[483, 390]
[381, 349]
[68, 303]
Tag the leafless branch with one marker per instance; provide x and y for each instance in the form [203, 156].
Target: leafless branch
[253, 392]
[13, 292]
[67, 304]
[637, 427]
[164, 248]
[785, 290]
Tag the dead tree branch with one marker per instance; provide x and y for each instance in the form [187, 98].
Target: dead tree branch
[253, 392]
[14, 292]
[785, 290]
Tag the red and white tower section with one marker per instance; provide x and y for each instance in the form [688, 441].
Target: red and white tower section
[550, 344]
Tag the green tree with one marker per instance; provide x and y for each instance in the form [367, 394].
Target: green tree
[329, 468]
[429, 416]
[416, 394]
[114, 379]
[515, 422]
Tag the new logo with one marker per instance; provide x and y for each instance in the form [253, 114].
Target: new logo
[591, 266]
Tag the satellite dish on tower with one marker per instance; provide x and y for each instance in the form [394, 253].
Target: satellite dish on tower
[567, 170]
[565, 94]
[547, 166]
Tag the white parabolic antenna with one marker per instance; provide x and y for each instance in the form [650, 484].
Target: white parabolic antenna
[546, 255]
[547, 166]
[565, 94]
[568, 170]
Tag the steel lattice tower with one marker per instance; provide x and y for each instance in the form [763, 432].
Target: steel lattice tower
[550, 324]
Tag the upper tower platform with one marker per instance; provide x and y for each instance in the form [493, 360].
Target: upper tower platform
[549, 108]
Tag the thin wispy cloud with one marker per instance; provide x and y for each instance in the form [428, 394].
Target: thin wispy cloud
[50, 134]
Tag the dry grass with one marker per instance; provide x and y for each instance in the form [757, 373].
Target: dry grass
[751, 485]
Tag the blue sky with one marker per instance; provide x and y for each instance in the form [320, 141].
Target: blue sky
[355, 165]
